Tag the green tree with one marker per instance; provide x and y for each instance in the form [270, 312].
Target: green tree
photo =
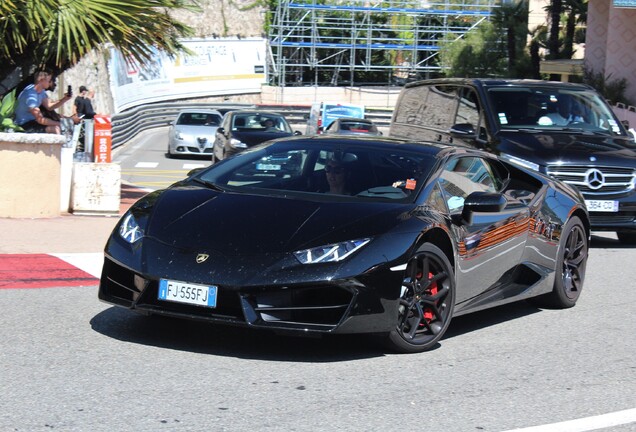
[479, 54]
[560, 41]
[55, 34]
[576, 13]
[512, 19]
[554, 42]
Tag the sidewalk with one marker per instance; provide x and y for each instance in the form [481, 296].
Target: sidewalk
[67, 233]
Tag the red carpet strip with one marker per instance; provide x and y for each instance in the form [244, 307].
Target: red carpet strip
[40, 271]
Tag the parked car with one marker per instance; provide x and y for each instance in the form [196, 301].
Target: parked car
[192, 132]
[242, 129]
[352, 126]
[322, 114]
[424, 232]
[565, 130]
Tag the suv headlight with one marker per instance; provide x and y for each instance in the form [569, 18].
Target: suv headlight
[330, 253]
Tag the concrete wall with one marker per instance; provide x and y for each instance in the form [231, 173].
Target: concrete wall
[610, 46]
[30, 175]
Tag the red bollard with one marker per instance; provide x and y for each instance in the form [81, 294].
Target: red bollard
[102, 143]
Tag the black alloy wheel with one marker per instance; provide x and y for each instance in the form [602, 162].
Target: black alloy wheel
[570, 266]
[427, 301]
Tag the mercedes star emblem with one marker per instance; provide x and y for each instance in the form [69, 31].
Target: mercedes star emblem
[594, 179]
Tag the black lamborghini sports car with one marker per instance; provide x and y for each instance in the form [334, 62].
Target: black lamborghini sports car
[336, 234]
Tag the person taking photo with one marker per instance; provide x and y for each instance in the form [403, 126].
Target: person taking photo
[28, 114]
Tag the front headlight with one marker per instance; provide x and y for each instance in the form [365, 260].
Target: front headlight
[130, 229]
[522, 162]
[237, 143]
[330, 253]
[180, 136]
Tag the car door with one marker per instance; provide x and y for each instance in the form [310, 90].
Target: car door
[492, 245]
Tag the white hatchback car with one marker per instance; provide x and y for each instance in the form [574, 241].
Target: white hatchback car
[192, 133]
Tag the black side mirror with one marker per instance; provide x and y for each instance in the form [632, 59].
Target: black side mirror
[194, 171]
[221, 130]
[296, 133]
[625, 123]
[482, 202]
[463, 130]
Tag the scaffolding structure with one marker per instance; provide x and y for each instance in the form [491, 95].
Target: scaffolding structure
[315, 40]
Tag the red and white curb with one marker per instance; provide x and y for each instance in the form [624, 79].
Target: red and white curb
[50, 270]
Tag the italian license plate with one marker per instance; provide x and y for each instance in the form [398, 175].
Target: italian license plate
[183, 292]
[601, 205]
[267, 167]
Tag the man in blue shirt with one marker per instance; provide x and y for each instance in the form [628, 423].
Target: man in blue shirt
[27, 112]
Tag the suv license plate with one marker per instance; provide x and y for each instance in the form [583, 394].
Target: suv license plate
[183, 292]
[601, 206]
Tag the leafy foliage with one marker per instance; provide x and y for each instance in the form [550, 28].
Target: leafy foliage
[479, 54]
[7, 110]
[612, 89]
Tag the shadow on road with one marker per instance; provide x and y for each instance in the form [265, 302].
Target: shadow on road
[605, 241]
[220, 340]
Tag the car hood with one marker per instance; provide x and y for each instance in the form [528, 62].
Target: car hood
[253, 138]
[197, 130]
[568, 147]
[238, 224]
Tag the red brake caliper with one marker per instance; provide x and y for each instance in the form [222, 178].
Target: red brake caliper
[432, 290]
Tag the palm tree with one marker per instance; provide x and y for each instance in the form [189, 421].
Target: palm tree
[577, 14]
[554, 10]
[513, 19]
[55, 34]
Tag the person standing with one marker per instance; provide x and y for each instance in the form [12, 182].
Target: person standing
[28, 114]
[83, 104]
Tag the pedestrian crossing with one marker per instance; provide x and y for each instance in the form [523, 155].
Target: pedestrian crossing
[154, 175]
[185, 166]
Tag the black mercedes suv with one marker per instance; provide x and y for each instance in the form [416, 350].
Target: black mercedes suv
[565, 130]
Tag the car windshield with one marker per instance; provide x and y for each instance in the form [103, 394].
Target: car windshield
[548, 108]
[257, 122]
[199, 119]
[326, 170]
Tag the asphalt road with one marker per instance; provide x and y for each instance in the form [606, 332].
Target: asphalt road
[71, 363]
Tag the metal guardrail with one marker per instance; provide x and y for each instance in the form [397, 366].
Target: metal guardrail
[128, 124]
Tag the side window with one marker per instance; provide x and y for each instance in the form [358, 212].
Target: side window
[423, 112]
[436, 200]
[463, 176]
[468, 109]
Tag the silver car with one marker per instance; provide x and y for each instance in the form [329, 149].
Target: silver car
[192, 132]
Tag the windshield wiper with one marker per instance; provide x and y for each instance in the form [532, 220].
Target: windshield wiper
[208, 184]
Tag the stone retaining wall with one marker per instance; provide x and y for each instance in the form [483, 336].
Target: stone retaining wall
[30, 175]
